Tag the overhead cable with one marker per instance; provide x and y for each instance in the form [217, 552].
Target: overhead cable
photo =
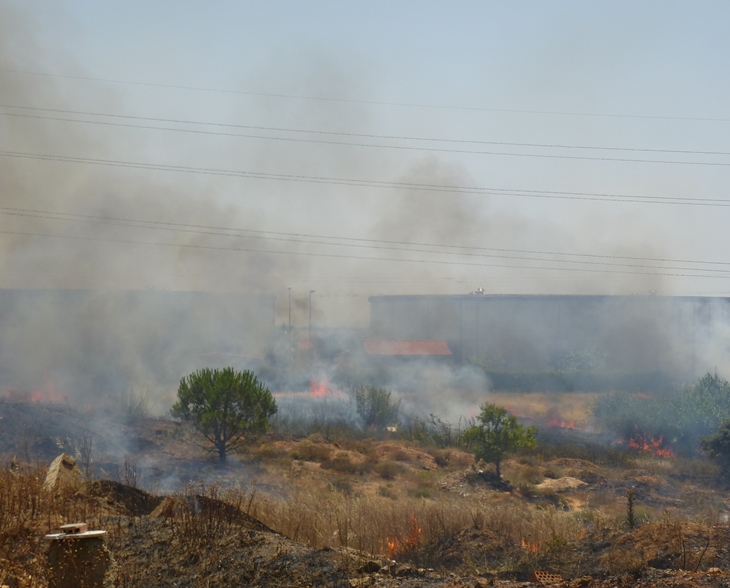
[358, 257]
[417, 148]
[316, 132]
[371, 102]
[334, 242]
[551, 194]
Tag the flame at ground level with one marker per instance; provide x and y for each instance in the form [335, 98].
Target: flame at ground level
[396, 546]
[653, 446]
[556, 421]
[322, 389]
[44, 394]
[531, 547]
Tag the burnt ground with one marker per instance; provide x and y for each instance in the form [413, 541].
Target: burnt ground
[159, 541]
[153, 551]
[174, 542]
[153, 555]
[158, 550]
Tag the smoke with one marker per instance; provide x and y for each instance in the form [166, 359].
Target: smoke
[102, 305]
[127, 279]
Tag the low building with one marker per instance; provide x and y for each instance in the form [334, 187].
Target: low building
[684, 335]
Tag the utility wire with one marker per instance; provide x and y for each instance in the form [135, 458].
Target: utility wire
[559, 195]
[355, 239]
[371, 102]
[297, 238]
[359, 257]
[314, 132]
[405, 147]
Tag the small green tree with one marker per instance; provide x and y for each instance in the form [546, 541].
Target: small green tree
[497, 433]
[630, 510]
[375, 406]
[225, 406]
[717, 446]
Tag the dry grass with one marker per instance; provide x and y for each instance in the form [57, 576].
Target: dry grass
[575, 406]
[385, 498]
[27, 514]
[320, 518]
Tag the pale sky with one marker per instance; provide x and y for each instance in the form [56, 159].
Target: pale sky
[602, 93]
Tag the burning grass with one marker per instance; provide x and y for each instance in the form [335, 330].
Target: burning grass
[411, 495]
[413, 518]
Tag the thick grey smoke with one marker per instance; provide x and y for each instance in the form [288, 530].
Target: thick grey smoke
[103, 306]
[102, 302]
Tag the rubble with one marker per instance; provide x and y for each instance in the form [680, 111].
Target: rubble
[78, 557]
[545, 578]
[63, 473]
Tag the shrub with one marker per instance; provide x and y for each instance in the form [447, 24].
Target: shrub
[269, 451]
[375, 407]
[717, 446]
[433, 431]
[440, 457]
[342, 485]
[344, 465]
[496, 434]
[551, 473]
[421, 493]
[388, 470]
[308, 451]
[531, 474]
[680, 418]
[387, 492]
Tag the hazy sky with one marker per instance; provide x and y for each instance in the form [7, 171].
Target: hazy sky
[526, 102]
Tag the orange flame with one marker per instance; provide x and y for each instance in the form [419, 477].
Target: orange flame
[558, 421]
[398, 546]
[531, 547]
[653, 446]
[322, 389]
[317, 389]
[563, 424]
[47, 393]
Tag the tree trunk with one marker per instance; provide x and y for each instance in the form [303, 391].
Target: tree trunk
[499, 473]
[221, 455]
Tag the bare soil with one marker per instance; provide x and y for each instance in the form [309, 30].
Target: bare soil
[561, 509]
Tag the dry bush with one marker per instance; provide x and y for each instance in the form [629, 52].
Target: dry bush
[269, 451]
[366, 448]
[527, 474]
[388, 470]
[442, 457]
[387, 492]
[343, 464]
[401, 454]
[308, 451]
[203, 512]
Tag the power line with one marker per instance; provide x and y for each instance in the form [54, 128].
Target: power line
[559, 195]
[355, 243]
[316, 132]
[417, 148]
[95, 218]
[358, 257]
[371, 102]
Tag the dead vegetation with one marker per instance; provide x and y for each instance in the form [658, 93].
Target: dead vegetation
[317, 508]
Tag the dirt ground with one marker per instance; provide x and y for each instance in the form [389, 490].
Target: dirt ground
[368, 511]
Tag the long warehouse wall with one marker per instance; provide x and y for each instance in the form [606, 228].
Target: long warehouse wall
[630, 333]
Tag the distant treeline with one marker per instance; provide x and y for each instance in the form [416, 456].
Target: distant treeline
[580, 381]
